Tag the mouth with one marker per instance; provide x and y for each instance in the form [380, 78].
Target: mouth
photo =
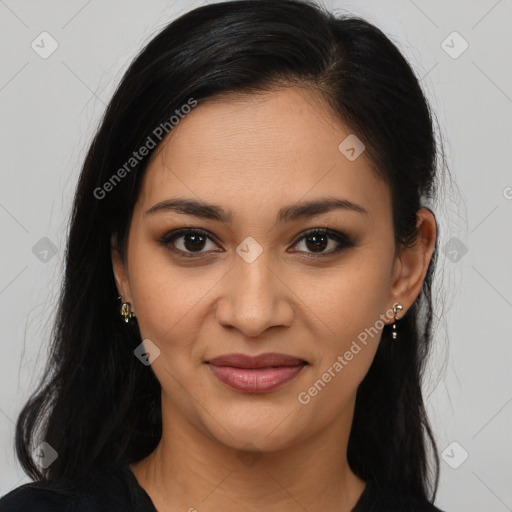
[256, 374]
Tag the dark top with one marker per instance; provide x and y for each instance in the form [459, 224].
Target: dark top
[115, 489]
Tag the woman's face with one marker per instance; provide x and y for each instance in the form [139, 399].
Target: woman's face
[255, 284]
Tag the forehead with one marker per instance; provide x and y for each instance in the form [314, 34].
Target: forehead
[252, 151]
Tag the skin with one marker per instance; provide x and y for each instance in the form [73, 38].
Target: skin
[254, 154]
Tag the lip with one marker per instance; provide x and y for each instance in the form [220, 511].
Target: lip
[256, 374]
[261, 361]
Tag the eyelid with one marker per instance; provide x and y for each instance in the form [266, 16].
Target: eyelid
[331, 233]
[178, 233]
[343, 240]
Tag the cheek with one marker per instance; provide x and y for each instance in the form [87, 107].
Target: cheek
[167, 306]
[346, 300]
[168, 299]
[341, 366]
[346, 308]
[163, 308]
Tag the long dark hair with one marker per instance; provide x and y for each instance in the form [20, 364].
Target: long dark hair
[97, 403]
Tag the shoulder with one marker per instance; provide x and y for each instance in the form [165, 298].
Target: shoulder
[39, 497]
[402, 504]
[100, 491]
[391, 499]
[410, 504]
[407, 503]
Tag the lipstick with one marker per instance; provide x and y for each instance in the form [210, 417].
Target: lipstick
[256, 374]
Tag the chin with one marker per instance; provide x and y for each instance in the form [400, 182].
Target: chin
[255, 432]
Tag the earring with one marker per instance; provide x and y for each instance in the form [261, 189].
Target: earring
[396, 309]
[126, 311]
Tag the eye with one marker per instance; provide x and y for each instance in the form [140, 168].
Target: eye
[316, 240]
[188, 242]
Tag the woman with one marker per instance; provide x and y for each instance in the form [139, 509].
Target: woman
[257, 198]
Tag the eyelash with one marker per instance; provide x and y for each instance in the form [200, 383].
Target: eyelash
[344, 241]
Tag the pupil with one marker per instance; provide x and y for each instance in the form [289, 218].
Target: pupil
[317, 244]
[196, 241]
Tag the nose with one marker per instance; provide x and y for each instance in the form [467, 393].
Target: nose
[254, 297]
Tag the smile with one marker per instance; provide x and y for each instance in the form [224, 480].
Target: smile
[256, 380]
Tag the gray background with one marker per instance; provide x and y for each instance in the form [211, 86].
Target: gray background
[51, 107]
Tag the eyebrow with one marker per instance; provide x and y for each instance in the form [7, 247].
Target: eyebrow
[286, 214]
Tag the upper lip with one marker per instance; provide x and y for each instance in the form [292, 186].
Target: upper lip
[261, 361]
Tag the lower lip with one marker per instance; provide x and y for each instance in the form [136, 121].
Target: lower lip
[255, 380]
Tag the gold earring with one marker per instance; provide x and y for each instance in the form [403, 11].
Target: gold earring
[396, 309]
[126, 311]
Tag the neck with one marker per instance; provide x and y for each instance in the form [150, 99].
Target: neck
[191, 470]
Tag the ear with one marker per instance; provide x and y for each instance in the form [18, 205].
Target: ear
[412, 262]
[120, 270]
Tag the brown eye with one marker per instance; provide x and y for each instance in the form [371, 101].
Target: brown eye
[316, 243]
[193, 241]
[318, 240]
[190, 243]
[186, 242]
